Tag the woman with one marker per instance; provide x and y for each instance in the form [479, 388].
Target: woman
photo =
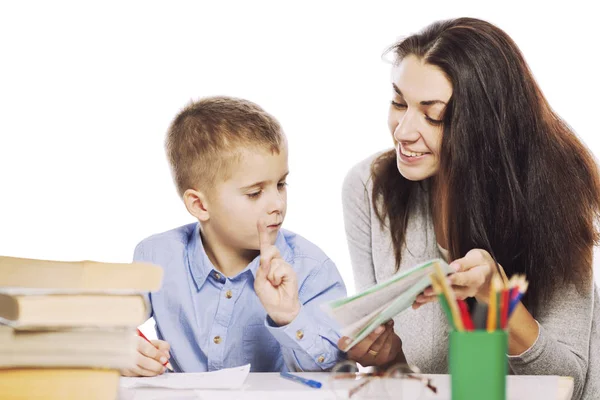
[486, 175]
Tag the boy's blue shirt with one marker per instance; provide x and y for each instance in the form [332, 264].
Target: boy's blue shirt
[213, 322]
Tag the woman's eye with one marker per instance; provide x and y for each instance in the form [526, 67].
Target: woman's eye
[434, 121]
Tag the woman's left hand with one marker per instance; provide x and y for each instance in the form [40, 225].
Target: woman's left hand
[472, 278]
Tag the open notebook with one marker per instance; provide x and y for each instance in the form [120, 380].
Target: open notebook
[362, 313]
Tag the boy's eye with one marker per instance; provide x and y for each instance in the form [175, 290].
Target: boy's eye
[281, 185]
[254, 195]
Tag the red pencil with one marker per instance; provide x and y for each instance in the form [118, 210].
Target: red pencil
[504, 309]
[167, 364]
[466, 317]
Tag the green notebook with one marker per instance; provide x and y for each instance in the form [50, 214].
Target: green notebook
[362, 313]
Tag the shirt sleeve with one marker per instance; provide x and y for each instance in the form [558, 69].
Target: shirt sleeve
[563, 343]
[140, 256]
[309, 342]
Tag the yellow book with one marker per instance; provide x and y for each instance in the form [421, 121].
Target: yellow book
[25, 311]
[67, 348]
[59, 384]
[79, 276]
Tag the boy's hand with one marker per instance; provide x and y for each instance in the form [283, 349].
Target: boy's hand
[275, 284]
[149, 359]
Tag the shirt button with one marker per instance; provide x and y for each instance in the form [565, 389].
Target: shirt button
[299, 334]
[217, 276]
[217, 339]
[228, 294]
[320, 359]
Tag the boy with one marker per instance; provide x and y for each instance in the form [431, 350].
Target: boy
[236, 288]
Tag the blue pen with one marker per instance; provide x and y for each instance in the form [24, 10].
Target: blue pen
[299, 379]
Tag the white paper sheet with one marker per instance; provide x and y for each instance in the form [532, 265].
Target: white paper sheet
[228, 378]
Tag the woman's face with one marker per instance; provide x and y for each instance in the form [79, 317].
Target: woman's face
[420, 94]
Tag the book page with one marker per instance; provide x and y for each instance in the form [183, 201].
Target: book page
[360, 308]
[354, 328]
[361, 314]
[401, 303]
[349, 310]
[228, 378]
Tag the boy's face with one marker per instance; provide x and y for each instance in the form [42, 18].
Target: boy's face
[256, 190]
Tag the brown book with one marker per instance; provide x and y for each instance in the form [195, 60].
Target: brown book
[100, 348]
[55, 384]
[25, 311]
[83, 276]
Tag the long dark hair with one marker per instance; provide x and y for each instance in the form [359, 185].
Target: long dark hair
[514, 179]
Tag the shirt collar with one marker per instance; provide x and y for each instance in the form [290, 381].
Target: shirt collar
[201, 266]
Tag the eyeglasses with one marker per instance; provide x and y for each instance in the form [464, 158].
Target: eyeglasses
[400, 382]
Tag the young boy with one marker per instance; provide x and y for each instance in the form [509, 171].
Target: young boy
[237, 289]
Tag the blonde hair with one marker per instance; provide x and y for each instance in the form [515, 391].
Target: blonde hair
[205, 137]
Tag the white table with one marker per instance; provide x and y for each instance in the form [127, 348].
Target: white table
[272, 386]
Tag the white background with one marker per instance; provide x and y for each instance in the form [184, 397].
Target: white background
[87, 92]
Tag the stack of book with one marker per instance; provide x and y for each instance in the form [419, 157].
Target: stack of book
[67, 328]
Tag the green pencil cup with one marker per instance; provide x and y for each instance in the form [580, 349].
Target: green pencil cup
[478, 364]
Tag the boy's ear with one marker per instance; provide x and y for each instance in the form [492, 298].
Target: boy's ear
[196, 204]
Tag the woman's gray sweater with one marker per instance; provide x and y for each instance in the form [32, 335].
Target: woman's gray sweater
[569, 338]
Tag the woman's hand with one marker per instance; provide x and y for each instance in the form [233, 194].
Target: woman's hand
[472, 277]
[381, 347]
